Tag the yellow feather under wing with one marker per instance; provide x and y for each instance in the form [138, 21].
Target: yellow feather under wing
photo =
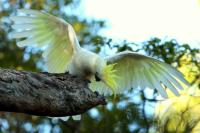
[44, 30]
[109, 77]
[108, 85]
[57, 58]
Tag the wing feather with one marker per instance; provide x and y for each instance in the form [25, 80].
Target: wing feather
[22, 34]
[137, 70]
[42, 29]
[168, 76]
[24, 26]
[25, 19]
[166, 82]
[156, 84]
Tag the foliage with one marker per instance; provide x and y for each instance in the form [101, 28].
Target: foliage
[180, 114]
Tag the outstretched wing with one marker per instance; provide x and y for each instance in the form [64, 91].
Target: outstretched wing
[44, 30]
[135, 70]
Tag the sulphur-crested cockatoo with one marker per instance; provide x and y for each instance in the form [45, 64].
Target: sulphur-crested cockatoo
[116, 73]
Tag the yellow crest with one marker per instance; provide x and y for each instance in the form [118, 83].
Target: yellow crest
[109, 77]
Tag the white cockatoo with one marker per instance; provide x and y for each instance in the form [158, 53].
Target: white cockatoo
[113, 74]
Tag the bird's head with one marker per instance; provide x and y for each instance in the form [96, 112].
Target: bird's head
[108, 75]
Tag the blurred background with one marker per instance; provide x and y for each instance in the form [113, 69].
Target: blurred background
[164, 29]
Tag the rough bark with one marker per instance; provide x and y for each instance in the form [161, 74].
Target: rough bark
[45, 94]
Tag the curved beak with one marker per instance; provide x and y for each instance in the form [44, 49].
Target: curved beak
[97, 78]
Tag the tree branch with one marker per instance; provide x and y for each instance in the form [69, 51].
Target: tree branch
[45, 94]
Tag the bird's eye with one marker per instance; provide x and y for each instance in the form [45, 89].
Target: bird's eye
[97, 77]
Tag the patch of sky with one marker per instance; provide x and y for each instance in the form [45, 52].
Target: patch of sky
[133, 126]
[149, 93]
[4, 124]
[109, 106]
[149, 108]
[142, 20]
[56, 129]
[28, 127]
[44, 128]
[134, 96]
[94, 113]
[122, 104]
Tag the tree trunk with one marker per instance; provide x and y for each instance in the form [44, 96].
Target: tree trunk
[45, 94]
